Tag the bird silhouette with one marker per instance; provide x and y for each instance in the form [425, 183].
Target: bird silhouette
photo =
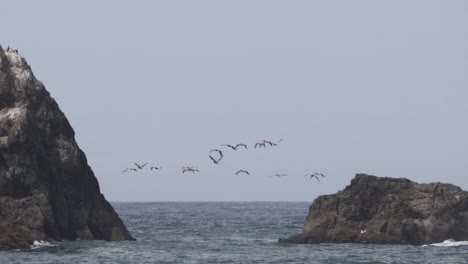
[140, 166]
[269, 143]
[186, 169]
[216, 161]
[235, 147]
[314, 175]
[241, 145]
[279, 175]
[155, 168]
[242, 171]
[229, 146]
[259, 144]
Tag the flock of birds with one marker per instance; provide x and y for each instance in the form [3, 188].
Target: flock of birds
[216, 155]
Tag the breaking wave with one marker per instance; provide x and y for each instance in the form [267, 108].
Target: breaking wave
[40, 244]
[450, 243]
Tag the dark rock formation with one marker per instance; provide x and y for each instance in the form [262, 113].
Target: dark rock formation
[383, 210]
[47, 189]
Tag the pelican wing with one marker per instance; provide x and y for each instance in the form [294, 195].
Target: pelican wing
[241, 145]
[229, 146]
[214, 161]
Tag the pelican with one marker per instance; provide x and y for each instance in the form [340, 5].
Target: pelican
[242, 171]
[279, 175]
[269, 143]
[185, 169]
[314, 175]
[241, 145]
[229, 146]
[235, 147]
[140, 166]
[220, 156]
[259, 144]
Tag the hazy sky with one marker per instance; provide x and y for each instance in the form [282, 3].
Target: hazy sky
[378, 87]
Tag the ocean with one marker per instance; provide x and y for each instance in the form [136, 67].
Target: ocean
[224, 232]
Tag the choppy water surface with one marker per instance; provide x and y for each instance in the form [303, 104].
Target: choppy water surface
[218, 232]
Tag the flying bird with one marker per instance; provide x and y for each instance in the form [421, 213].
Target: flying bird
[155, 168]
[133, 169]
[269, 143]
[242, 171]
[229, 146]
[259, 144]
[314, 175]
[185, 169]
[140, 166]
[216, 161]
[241, 145]
[279, 175]
[235, 147]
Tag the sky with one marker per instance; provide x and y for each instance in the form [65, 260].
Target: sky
[376, 87]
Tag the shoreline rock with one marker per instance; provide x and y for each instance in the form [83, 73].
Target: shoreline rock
[47, 189]
[383, 210]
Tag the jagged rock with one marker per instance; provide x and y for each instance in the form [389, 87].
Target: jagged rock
[382, 210]
[47, 189]
[15, 237]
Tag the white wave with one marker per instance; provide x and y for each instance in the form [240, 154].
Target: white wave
[240, 238]
[268, 240]
[450, 243]
[40, 244]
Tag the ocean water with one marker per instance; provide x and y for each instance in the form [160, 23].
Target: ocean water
[224, 232]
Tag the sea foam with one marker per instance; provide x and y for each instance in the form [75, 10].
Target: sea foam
[450, 243]
[40, 244]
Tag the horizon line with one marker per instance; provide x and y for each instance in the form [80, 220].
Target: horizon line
[210, 201]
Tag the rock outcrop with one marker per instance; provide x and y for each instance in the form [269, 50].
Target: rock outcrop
[382, 210]
[47, 189]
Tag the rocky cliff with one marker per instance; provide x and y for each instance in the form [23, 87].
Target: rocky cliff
[47, 189]
[383, 210]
